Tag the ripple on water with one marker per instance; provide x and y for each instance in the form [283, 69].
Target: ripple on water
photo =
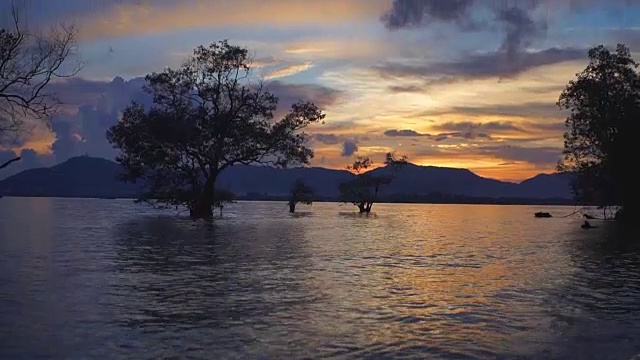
[108, 279]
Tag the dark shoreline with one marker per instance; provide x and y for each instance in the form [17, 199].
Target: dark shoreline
[440, 199]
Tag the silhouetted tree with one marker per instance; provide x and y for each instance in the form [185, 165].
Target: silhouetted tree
[206, 116]
[28, 62]
[363, 190]
[300, 193]
[604, 101]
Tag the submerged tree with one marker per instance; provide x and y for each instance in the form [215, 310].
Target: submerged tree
[206, 116]
[604, 100]
[29, 61]
[363, 190]
[221, 198]
[300, 193]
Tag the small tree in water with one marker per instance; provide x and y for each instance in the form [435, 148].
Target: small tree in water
[221, 198]
[300, 193]
[206, 116]
[363, 190]
[604, 101]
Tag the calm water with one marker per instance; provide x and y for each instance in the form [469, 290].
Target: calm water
[109, 279]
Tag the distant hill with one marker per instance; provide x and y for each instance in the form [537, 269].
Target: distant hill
[243, 179]
[547, 186]
[95, 177]
[76, 177]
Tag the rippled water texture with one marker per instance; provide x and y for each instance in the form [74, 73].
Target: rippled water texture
[109, 279]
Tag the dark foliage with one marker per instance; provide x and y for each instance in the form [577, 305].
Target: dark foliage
[206, 116]
[604, 101]
[363, 190]
[300, 193]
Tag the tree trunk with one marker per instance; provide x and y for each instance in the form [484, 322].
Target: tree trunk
[365, 207]
[203, 206]
[622, 215]
[292, 206]
[202, 209]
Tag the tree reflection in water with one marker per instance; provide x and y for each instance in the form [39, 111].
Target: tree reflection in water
[229, 282]
[603, 288]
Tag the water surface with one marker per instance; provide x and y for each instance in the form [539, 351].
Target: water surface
[108, 279]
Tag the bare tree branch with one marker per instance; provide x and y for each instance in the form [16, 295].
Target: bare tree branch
[7, 163]
[29, 61]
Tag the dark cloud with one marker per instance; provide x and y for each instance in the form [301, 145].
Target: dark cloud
[520, 30]
[406, 88]
[118, 93]
[479, 66]
[468, 134]
[471, 134]
[333, 139]
[404, 132]
[349, 147]
[329, 139]
[416, 13]
[506, 154]
[532, 155]
[288, 94]
[542, 157]
[527, 131]
[64, 146]
[491, 126]
[91, 107]
[526, 110]
[486, 131]
[399, 72]
[515, 19]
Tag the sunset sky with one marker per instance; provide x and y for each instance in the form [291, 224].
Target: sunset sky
[458, 83]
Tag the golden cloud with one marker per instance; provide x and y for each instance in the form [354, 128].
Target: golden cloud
[506, 129]
[288, 70]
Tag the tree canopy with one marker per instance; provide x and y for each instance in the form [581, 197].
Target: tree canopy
[29, 61]
[207, 115]
[363, 190]
[603, 101]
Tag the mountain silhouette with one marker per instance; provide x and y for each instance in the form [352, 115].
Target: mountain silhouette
[77, 177]
[95, 177]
